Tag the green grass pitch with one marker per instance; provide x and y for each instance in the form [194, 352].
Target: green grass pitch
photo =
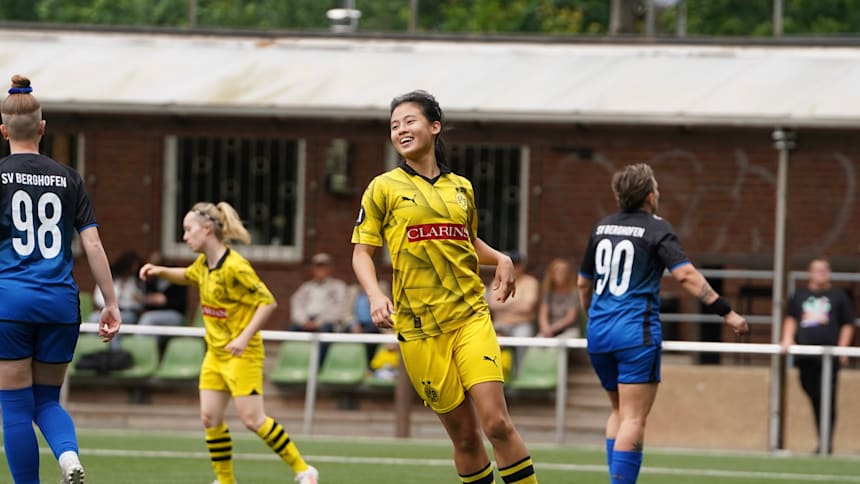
[143, 457]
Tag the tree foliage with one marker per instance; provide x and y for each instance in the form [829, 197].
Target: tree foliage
[559, 17]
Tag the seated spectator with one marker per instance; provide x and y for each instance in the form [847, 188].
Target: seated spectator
[127, 287]
[164, 303]
[517, 315]
[318, 305]
[559, 309]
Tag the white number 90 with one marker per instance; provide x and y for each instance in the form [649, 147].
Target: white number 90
[607, 264]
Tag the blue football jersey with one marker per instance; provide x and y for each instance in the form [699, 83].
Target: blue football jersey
[625, 258]
[42, 203]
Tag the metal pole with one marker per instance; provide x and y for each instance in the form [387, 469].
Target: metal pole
[561, 393]
[777, 18]
[413, 15]
[353, 20]
[192, 13]
[783, 141]
[826, 395]
[650, 18]
[681, 26]
[311, 387]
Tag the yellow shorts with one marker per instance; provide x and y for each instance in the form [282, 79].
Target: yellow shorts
[241, 376]
[442, 368]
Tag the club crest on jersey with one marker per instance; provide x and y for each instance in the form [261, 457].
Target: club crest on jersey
[462, 201]
[430, 392]
[417, 233]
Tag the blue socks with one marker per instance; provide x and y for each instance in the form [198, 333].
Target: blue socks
[22, 407]
[55, 423]
[625, 465]
[610, 446]
[19, 438]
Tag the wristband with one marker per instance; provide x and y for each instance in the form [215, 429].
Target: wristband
[720, 307]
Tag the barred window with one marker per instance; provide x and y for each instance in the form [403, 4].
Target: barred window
[259, 177]
[499, 177]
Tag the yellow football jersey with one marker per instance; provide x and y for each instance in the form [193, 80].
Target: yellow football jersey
[229, 296]
[429, 228]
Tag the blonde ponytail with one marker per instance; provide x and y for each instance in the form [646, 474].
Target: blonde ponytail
[224, 218]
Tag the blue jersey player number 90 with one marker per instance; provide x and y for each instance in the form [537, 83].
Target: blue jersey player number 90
[47, 234]
[609, 269]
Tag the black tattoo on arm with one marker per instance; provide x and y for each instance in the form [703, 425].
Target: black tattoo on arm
[706, 293]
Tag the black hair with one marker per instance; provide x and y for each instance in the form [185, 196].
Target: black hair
[432, 111]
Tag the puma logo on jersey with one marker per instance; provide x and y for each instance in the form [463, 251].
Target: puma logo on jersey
[491, 360]
[407, 199]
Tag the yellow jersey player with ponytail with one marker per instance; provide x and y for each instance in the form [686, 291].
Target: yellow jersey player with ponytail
[235, 304]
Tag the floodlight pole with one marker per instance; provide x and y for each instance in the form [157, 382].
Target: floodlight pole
[783, 141]
[413, 16]
[777, 18]
[192, 13]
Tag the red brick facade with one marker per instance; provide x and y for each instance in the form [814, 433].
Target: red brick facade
[717, 186]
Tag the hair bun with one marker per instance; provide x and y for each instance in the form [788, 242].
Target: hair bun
[20, 81]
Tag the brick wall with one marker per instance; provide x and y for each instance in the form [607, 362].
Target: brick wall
[717, 186]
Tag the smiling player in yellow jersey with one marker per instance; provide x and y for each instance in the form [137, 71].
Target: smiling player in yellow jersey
[427, 216]
[235, 305]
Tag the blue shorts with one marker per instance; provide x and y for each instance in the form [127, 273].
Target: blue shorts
[44, 342]
[632, 365]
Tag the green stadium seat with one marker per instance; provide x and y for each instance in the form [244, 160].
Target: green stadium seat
[538, 370]
[87, 343]
[144, 352]
[182, 358]
[198, 318]
[86, 304]
[293, 364]
[345, 365]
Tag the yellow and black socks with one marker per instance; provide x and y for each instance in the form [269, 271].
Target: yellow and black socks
[483, 476]
[521, 472]
[220, 447]
[278, 439]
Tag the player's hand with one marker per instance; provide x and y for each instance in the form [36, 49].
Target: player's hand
[146, 271]
[381, 310]
[505, 281]
[738, 324]
[109, 323]
[237, 346]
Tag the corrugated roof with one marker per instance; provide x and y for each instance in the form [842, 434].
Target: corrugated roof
[506, 81]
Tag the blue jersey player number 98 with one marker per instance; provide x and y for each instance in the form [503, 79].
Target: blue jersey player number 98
[46, 232]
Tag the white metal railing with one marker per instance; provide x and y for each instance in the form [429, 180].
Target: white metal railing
[562, 369]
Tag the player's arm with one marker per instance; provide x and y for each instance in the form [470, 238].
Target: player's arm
[110, 320]
[586, 289]
[846, 330]
[261, 315]
[695, 283]
[381, 307]
[175, 275]
[504, 282]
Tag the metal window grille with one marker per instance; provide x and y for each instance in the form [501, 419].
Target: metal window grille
[496, 173]
[258, 177]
